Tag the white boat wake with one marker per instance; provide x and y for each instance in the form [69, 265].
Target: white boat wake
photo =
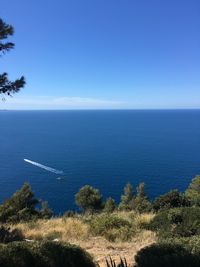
[44, 167]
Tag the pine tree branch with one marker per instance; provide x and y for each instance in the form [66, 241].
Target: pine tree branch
[9, 87]
[6, 47]
[5, 30]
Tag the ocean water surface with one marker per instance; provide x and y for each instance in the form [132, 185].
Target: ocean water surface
[105, 149]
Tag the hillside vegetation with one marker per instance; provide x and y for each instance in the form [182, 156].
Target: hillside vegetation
[136, 227]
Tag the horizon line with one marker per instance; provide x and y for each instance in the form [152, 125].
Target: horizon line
[98, 109]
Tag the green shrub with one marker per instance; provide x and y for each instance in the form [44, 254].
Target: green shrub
[43, 254]
[89, 199]
[179, 222]
[138, 202]
[159, 223]
[193, 191]
[110, 205]
[192, 243]
[141, 203]
[172, 199]
[112, 227]
[126, 198]
[166, 255]
[21, 206]
[7, 235]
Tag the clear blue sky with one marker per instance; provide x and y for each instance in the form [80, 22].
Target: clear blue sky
[104, 53]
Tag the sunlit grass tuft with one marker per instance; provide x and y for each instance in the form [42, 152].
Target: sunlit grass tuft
[63, 229]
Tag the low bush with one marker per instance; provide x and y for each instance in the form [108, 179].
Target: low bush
[141, 205]
[193, 191]
[172, 199]
[110, 205]
[43, 254]
[192, 244]
[112, 227]
[166, 255]
[126, 198]
[23, 206]
[180, 222]
[140, 202]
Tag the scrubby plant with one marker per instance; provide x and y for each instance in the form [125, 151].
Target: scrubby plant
[193, 191]
[43, 254]
[192, 243]
[21, 206]
[110, 205]
[181, 222]
[172, 199]
[89, 199]
[9, 235]
[141, 202]
[127, 197]
[166, 255]
[112, 227]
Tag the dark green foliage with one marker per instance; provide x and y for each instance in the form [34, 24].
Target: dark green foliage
[138, 202]
[6, 86]
[192, 243]
[110, 205]
[43, 254]
[179, 222]
[111, 263]
[21, 206]
[89, 199]
[166, 255]
[141, 202]
[45, 211]
[140, 189]
[6, 30]
[172, 199]
[7, 235]
[193, 191]
[112, 227]
[127, 197]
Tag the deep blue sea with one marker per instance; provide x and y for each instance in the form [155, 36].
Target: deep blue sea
[105, 149]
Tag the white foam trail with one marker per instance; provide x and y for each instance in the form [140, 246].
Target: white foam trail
[43, 166]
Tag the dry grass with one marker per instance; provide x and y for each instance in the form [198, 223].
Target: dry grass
[64, 229]
[76, 231]
[135, 218]
[144, 218]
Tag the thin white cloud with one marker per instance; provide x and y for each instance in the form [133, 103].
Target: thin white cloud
[46, 102]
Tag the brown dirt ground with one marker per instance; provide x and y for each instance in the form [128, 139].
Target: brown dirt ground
[100, 248]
